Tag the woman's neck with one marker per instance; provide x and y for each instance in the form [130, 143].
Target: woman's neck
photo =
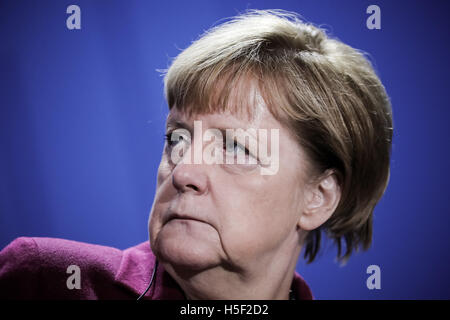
[268, 279]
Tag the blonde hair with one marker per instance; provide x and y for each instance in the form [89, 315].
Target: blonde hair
[326, 92]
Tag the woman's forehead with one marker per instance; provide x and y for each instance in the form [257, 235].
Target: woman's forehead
[258, 117]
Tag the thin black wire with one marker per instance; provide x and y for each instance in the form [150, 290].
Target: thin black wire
[151, 281]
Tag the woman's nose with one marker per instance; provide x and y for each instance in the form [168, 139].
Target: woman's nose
[188, 177]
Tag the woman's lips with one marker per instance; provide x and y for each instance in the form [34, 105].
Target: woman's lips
[177, 216]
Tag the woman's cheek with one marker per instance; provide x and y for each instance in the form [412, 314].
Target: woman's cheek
[164, 170]
[241, 169]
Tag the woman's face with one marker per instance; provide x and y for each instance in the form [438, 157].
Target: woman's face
[229, 215]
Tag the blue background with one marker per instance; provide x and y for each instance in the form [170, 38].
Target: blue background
[82, 122]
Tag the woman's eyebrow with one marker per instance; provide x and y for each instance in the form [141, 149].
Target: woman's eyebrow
[178, 124]
[234, 131]
[239, 132]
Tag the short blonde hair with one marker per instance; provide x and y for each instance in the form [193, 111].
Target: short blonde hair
[326, 92]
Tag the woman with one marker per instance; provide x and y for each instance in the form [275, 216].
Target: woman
[229, 220]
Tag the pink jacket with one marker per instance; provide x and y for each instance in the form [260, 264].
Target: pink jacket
[36, 268]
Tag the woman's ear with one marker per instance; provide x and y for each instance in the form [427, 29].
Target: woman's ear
[321, 199]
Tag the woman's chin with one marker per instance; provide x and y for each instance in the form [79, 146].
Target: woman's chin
[189, 252]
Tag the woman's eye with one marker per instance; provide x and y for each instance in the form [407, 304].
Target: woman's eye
[174, 137]
[235, 148]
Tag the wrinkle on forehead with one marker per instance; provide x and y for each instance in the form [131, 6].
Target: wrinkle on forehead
[261, 118]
